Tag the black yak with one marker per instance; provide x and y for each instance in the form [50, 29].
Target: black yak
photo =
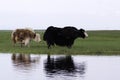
[62, 36]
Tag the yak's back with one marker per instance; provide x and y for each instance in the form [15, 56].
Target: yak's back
[51, 33]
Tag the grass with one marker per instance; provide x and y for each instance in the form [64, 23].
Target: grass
[98, 43]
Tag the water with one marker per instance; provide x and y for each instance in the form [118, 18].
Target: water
[58, 67]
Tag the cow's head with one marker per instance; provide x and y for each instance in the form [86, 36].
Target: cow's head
[21, 36]
[37, 37]
[83, 33]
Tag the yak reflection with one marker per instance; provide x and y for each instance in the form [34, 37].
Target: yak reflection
[64, 64]
[24, 61]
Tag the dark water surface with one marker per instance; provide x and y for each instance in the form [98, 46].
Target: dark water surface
[58, 67]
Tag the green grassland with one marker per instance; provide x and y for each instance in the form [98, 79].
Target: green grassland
[98, 43]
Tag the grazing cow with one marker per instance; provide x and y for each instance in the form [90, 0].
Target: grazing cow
[63, 36]
[24, 36]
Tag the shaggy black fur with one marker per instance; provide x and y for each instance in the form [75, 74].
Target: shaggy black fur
[62, 36]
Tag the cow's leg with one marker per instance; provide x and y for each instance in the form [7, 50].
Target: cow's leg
[21, 44]
[14, 40]
[27, 40]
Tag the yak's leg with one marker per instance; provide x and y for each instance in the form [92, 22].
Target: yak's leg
[49, 46]
[69, 46]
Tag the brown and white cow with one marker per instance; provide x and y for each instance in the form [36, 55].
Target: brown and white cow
[24, 36]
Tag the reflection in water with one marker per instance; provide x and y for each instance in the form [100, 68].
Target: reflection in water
[57, 67]
[63, 65]
[24, 61]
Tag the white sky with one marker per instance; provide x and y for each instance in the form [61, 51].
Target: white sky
[39, 14]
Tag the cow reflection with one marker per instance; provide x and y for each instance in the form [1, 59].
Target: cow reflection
[63, 64]
[24, 60]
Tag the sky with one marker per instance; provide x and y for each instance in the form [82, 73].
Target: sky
[40, 14]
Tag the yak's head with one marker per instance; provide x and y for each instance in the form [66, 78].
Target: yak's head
[83, 33]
